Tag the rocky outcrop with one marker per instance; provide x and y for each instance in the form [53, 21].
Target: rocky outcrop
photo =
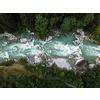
[60, 62]
[76, 42]
[40, 48]
[28, 31]
[76, 54]
[81, 32]
[37, 59]
[92, 66]
[55, 32]
[97, 60]
[8, 36]
[81, 64]
[49, 38]
[23, 40]
[44, 57]
[80, 35]
[66, 35]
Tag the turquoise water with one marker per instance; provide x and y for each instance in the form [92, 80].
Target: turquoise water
[61, 47]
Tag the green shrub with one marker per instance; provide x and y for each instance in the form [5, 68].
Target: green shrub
[6, 63]
[22, 61]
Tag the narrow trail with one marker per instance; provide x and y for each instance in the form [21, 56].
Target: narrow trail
[13, 68]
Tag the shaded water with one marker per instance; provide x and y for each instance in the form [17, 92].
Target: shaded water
[62, 47]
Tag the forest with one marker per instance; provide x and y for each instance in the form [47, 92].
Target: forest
[41, 23]
[39, 76]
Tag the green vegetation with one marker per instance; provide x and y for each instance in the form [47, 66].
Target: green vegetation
[47, 77]
[41, 23]
[6, 63]
[23, 61]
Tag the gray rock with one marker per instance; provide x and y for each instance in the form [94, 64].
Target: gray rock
[92, 66]
[76, 54]
[76, 42]
[12, 37]
[81, 64]
[37, 59]
[8, 36]
[40, 48]
[23, 40]
[66, 35]
[44, 57]
[49, 38]
[28, 31]
[97, 60]
[29, 37]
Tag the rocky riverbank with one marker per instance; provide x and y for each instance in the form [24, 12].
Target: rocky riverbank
[63, 62]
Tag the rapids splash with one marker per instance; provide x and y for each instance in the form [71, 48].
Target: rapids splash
[59, 47]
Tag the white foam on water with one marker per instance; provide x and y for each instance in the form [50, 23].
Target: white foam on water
[91, 50]
[65, 50]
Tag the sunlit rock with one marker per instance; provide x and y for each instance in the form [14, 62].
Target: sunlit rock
[92, 66]
[61, 62]
[8, 36]
[55, 32]
[29, 37]
[76, 42]
[49, 38]
[23, 40]
[12, 37]
[40, 48]
[37, 59]
[44, 57]
[81, 64]
[66, 35]
[27, 30]
[76, 54]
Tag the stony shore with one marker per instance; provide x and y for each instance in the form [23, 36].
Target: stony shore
[58, 61]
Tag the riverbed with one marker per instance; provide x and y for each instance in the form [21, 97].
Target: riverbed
[57, 47]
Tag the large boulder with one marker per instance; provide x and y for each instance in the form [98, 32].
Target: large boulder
[37, 59]
[55, 32]
[92, 66]
[76, 54]
[40, 48]
[8, 36]
[97, 60]
[61, 63]
[28, 31]
[81, 64]
[49, 38]
[12, 37]
[29, 38]
[66, 35]
[76, 42]
[44, 57]
[23, 40]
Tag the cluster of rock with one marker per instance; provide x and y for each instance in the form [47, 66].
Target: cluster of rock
[48, 38]
[81, 36]
[81, 64]
[8, 36]
[76, 53]
[27, 39]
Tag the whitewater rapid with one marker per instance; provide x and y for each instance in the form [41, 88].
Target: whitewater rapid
[61, 47]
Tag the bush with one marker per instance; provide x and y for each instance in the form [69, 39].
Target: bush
[22, 61]
[6, 63]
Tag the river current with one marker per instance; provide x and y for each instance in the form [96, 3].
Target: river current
[60, 47]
